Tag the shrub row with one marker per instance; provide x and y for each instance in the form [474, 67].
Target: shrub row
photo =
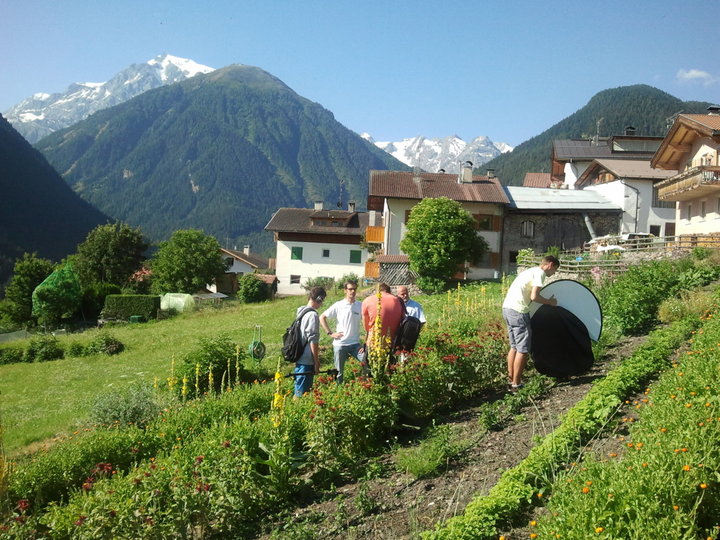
[519, 487]
[665, 483]
[331, 429]
[46, 347]
[123, 306]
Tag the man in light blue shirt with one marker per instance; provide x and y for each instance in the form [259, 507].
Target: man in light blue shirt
[411, 306]
[309, 362]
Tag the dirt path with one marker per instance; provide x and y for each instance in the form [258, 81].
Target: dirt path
[395, 506]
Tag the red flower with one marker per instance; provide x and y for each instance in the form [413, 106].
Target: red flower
[23, 504]
[80, 520]
[199, 459]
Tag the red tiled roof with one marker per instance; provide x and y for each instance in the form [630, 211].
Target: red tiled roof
[409, 185]
[392, 259]
[711, 121]
[537, 179]
[267, 278]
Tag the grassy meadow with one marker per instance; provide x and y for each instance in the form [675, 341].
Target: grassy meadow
[39, 401]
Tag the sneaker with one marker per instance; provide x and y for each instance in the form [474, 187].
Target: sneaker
[516, 387]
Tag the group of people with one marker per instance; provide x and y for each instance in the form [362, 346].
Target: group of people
[349, 316]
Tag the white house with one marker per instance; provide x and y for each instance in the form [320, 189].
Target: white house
[631, 184]
[313, 242]
[239, 263]
[395, 193]
[691, 150]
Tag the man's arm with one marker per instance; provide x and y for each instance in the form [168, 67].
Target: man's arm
[315, 350]
[535, 297]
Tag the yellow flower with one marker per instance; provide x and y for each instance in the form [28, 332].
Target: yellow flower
[686, 467]
[599, 529]
[703, 485]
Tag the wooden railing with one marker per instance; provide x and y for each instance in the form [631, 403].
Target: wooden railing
[632, 252]
[375, 234]
[689, 180]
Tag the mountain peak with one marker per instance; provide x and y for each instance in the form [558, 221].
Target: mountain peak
[41, 114]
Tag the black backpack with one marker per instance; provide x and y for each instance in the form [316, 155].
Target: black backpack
[407, 334]
[293, 343]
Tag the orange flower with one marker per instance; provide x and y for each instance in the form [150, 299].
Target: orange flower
[676, 507]
[703, 485]
[599, 529]
[686, 467]
[586, 490]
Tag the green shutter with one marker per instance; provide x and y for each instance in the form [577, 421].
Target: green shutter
[355, 256]
[296, 253]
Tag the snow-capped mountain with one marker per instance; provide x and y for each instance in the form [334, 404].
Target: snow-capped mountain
[41, 114]
[447, 153]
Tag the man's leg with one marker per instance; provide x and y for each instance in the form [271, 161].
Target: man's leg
[511, 363]
[519, 363]
[340, 354]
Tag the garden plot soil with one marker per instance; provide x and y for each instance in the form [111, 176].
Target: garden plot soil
[396, 506]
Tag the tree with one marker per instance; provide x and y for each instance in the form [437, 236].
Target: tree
[57, 297]
[252, 289]
[187, 262]
[440, 236]
[111, 253]
[28, 273]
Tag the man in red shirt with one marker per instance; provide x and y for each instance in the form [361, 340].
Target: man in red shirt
[391, 313]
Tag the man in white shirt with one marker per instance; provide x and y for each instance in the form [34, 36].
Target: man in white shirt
[412, 308]
[346, 337]
[516, 312]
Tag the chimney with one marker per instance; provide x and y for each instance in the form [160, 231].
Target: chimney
[491, 173]
[371, 218]
[246, 250]
[351, 206]
[416, 175]
[465, 175]
[630, 131]
[318, 205]
[714, 110]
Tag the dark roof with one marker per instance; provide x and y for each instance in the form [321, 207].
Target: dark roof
[537, 180]
[581, 149]
[256, 261]
[267, 278]
[409, 185]
[301, 220]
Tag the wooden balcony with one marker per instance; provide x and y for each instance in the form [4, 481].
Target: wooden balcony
[375, 234]
[691, 184]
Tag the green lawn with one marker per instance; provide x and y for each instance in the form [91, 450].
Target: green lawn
[41, 400]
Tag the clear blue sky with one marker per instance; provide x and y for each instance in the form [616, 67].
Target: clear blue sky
[392, 68]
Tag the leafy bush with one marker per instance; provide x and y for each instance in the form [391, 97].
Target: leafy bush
[252, 289]
[11, 355]
[76, 349]
[327, 283]
[93, 298]
[435, 450]
[631, 301]
[123, 306]
[352, 277]
[219, 358]
[135, 405]
[689, 303]
[105, 343]
[42, 348]
[700, 275]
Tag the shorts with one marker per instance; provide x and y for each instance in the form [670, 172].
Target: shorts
[519, 332]
[303, 383]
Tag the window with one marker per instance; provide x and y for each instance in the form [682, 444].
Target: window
[483, 222]
[294, 280]
[527, 229]
[702, 209]
[355, 256]
[657, 203]
[654, 230]
[688, 212]
[513, 256]
[326, 253]
[296, 253]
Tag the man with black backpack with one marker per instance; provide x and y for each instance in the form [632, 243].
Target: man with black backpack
[308, 364]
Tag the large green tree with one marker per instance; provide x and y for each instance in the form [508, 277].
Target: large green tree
[111, 253]
[440, 236]
[187, 262]
[28, 273]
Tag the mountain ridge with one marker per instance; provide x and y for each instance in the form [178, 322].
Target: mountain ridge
[219, 151]
[41, 114]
